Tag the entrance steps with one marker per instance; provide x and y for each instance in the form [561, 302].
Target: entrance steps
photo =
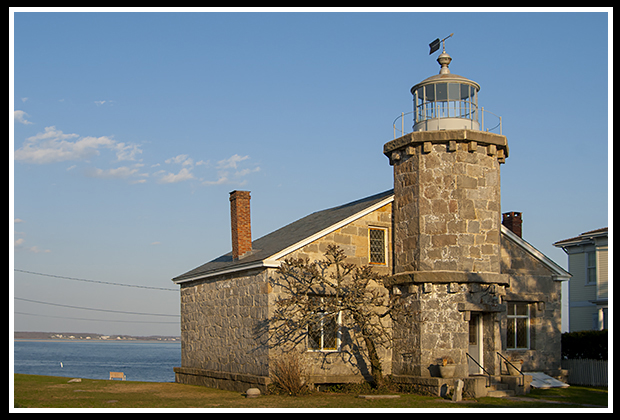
[500, 389]
[498, 385]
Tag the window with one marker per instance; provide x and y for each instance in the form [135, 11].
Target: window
[377, 242]
[590, 267]
[324, 328]
[518, 328]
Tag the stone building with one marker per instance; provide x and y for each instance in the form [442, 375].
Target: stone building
[472, 289]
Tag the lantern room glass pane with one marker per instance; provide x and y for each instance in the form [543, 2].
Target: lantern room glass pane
[465, 92]
[441, 89]
[429, 93]
[454, 91]
[420, 102]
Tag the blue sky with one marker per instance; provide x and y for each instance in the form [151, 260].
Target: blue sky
[130, 130]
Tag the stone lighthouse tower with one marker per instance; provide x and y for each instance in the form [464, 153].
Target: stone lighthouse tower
[447, 221]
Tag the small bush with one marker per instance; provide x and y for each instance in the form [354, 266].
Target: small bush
[288, 375]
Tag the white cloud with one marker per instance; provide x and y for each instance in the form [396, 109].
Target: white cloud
[20, 117]
[223, 179]
[122, 172]
[18, 243]
[184, 160]
[112, 173]
[18, 221]
[170, 178]
[127, 152]
[231, 162]
[235, 178]
[245, 172]
[53, 146]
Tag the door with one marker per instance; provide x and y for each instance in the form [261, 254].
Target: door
[475, 343]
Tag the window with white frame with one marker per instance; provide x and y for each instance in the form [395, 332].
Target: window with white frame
[518, 326]
[377, 245]
[323, 330]
[590, 267]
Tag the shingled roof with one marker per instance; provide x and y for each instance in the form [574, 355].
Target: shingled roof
[289, 238]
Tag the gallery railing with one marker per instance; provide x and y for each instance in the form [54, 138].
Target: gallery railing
[496, 119]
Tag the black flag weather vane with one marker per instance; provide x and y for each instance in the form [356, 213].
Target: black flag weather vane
[435, 44]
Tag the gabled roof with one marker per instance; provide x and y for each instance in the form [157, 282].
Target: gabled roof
[584, 237]
[275, 245]
[559, 273]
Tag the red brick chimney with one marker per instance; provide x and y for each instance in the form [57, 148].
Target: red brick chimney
[512, 220]
[240, 223]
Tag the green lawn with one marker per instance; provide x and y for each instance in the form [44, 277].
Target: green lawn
[32, 391]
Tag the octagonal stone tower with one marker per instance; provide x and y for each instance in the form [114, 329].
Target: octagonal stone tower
[447, 181]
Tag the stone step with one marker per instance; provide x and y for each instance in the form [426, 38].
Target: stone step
[498, 386]
[498, 393]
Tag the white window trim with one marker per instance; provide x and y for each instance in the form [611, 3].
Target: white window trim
[513, 318]
[338, 337]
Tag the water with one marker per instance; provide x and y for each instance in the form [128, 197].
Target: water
[139, 360]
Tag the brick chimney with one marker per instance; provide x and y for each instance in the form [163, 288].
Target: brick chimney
[240, 223]
[512, 220]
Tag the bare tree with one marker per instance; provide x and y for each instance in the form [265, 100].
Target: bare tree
[317, 294]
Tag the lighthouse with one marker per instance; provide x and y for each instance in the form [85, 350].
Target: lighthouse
[447, 224]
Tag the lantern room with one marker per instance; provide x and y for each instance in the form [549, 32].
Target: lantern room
[445, 101]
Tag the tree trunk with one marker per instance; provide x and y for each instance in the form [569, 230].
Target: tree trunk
[375, 363]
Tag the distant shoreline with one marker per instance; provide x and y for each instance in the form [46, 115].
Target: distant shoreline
[73, 340]
[71, 336]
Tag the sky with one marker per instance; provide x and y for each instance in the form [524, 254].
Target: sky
[131, 128]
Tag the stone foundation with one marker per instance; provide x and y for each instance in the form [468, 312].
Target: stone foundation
[223, 380]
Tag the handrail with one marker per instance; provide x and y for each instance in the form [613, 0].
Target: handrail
[481, 367]
[402, 123]
[518, 370]
[481, 117]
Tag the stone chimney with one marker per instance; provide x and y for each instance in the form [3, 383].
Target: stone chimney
[512, 220]
[240, 223]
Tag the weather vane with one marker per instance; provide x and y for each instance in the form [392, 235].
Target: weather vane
[435, 44]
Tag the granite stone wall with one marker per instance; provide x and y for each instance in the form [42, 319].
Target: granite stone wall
[222, 331]
[446, 200]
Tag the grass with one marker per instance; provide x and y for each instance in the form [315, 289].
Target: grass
[33, 391]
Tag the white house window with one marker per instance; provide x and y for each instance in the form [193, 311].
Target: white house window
[518, 328]
[591, 268]
[323, 331]
[377, 245]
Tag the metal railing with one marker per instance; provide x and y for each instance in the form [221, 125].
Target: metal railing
[481, 367]
[497, 126]
[517, 369]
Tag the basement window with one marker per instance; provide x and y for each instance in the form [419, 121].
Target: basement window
[377, 245]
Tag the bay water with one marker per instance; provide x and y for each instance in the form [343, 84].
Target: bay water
[150, 361]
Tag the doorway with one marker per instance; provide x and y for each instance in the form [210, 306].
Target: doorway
[475, 343]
